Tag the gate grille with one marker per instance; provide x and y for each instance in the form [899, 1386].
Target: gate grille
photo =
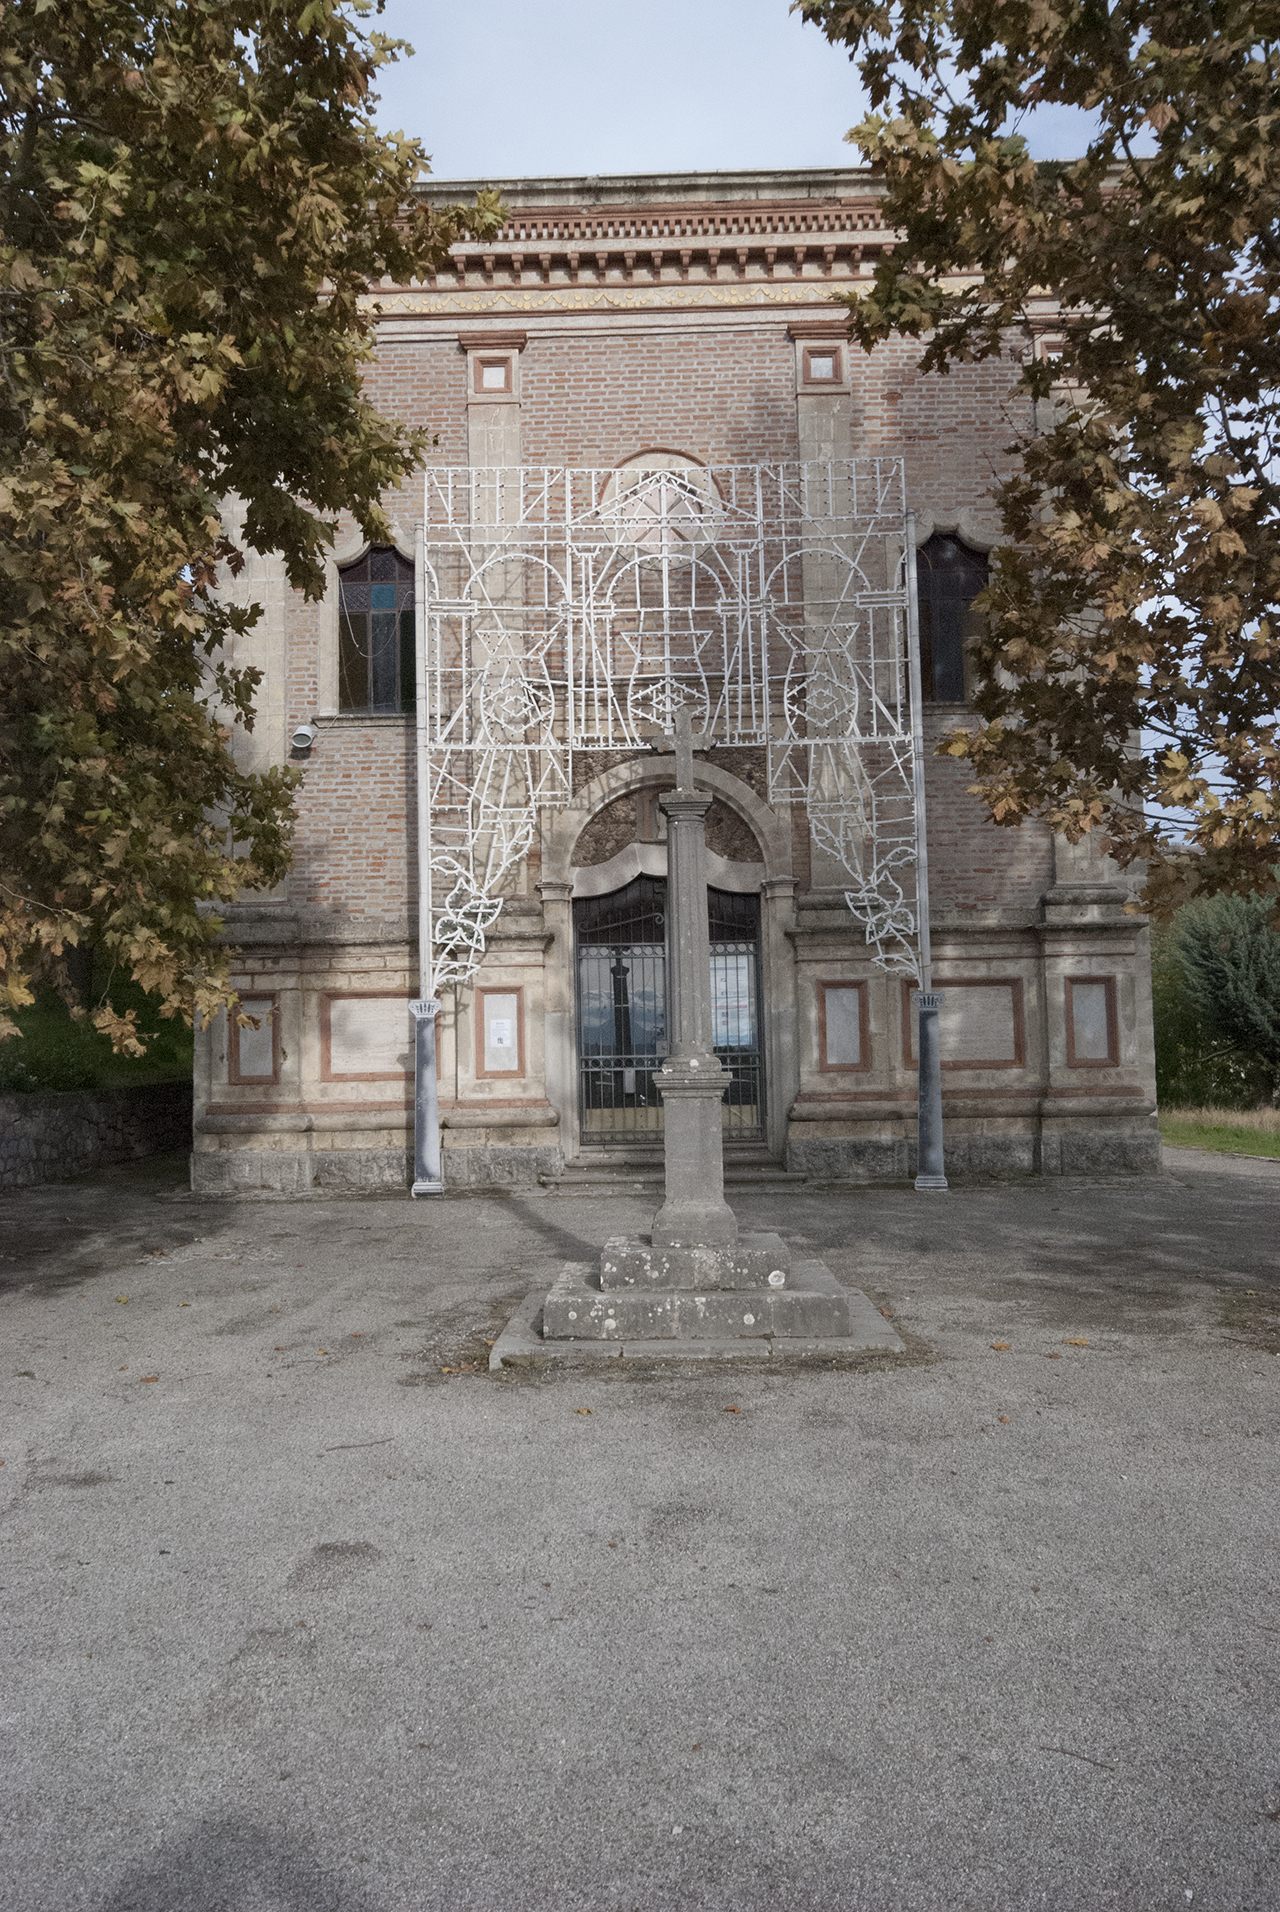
[621, 1004]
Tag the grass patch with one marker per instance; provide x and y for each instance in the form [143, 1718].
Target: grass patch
[55, 1053]
[1229, 1131]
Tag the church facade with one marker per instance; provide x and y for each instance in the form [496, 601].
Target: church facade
[660, 476]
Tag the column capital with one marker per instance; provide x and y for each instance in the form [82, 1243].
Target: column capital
[684, 803]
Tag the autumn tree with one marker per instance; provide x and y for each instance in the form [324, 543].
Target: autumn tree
[194, 201]
[1127, 679]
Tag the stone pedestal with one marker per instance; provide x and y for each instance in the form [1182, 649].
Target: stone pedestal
[647, 1291]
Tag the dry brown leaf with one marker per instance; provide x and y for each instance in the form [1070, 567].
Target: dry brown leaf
[733, 1410]
[584, 1410]
[1000, 1347]
[144, 1378]
[1075, 1341]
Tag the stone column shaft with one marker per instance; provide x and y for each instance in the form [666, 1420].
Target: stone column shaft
[693, 1080]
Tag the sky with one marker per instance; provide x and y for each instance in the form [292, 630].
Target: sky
[520, 88]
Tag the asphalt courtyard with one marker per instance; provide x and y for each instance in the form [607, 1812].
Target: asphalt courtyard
[305, 1611]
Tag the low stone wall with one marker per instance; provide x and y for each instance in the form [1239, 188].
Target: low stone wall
[55, 1135]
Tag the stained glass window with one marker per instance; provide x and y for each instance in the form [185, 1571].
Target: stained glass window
[375, 633]
[950, 577]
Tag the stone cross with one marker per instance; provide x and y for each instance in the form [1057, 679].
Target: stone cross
[684, 743]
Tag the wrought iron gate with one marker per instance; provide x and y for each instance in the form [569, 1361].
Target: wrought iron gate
[621, 999]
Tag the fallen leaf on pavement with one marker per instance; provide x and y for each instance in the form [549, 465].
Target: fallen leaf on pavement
[733, 1410]
[1000, 1347]
[122, 1298]
[584, 1410]
[148, 1377]
[1075, 1341]
[1055, 1356]
[1004, 1418]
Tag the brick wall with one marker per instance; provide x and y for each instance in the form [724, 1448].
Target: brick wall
[357, 838]
[724, 394]
[723, 389]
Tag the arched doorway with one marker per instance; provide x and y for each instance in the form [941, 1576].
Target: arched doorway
[620, 990]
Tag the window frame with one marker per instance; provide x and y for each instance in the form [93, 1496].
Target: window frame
[235, 1075]
[484, 991]
[864, 1026]
[406, 575]
[1112, 1058]
[1017, 1004]
[327, 1071]
[835, 352]
[925, 597]
[483, 362]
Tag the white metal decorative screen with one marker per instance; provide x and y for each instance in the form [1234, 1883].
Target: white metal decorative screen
[567, 610]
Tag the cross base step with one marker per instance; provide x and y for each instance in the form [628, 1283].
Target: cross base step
[813, 1304]
[522, 1343]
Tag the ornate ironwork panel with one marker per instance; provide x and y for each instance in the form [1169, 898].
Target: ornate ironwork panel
[570, 610]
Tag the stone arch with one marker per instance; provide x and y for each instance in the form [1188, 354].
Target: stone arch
[771, 831]
[980, 530]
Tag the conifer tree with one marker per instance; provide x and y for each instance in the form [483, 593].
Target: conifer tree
[1230, 960]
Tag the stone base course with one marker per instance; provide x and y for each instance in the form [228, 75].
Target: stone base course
[251, 1171]
[1086, 1151]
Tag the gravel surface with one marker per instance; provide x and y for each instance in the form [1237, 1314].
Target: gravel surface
[304, 1611]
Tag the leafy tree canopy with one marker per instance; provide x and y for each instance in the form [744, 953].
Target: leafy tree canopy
[1127, 678]
[193, 200]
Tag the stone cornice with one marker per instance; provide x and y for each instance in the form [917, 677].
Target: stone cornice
[577, 196]
[664, 239]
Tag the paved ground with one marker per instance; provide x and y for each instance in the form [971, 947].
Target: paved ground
[298, 1620]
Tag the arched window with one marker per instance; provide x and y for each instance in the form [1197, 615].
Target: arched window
[375, 633]
[949, 577]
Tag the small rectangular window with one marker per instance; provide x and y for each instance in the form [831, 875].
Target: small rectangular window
[493, 374]
[822, 365]
[844, 1039]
